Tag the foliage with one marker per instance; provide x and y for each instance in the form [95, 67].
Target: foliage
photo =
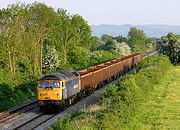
[136, 40]
[95, 43]
[11, 26]
[14, 92]
[106, 38]
[151, 43]
[108, 42]
[123, 48]
[24, 27]
[97, 57]
[115, 43]
[121, 39]
[37, 20]
[78, 57]
[170, 45]
[51, 59]
[69, 30]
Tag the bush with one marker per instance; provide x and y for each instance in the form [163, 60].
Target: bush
[123, 48]
[78, 57]
[160, 61]
[101, 56]
[169, 45]
[12, 93]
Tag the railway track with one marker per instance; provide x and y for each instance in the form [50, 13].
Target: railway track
[7, 115]
[14, 113]
[146, 54]
[28, 116]
[35, 122]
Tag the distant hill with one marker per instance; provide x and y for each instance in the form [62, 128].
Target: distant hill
[150, 30]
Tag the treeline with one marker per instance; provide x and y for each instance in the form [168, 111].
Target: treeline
[36, 39]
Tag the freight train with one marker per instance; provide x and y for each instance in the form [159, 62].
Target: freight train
[63, 88]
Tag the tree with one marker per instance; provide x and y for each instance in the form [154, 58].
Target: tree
[63, 34]
[108, 42]
[70, 31]
[151, 43]
[39, 21]
[11, 35]
[136, 40]
[170, 45]
[121, 39]
[95, 43]
[81, 32]
[123, 48]
[107, 38]
[78, 57]
[51, 59]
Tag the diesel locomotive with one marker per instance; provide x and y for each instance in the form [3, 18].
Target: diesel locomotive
[63, 88]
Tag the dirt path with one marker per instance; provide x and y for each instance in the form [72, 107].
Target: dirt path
[162, 110]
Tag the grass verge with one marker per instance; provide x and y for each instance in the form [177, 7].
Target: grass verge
[162, 107]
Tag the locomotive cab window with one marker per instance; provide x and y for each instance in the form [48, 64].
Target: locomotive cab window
[54, 84]
[43, 84]
[49, 84]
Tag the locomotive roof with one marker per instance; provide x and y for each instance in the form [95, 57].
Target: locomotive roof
[61, 75]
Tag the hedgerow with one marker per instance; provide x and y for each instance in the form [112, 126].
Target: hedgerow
[13, 93]
[121, 102]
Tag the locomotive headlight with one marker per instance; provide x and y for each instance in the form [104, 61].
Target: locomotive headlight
[55, 92]
[50, 98]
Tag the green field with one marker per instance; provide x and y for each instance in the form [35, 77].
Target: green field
[162, 109]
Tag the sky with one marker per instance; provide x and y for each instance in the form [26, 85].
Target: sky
[118, 12]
